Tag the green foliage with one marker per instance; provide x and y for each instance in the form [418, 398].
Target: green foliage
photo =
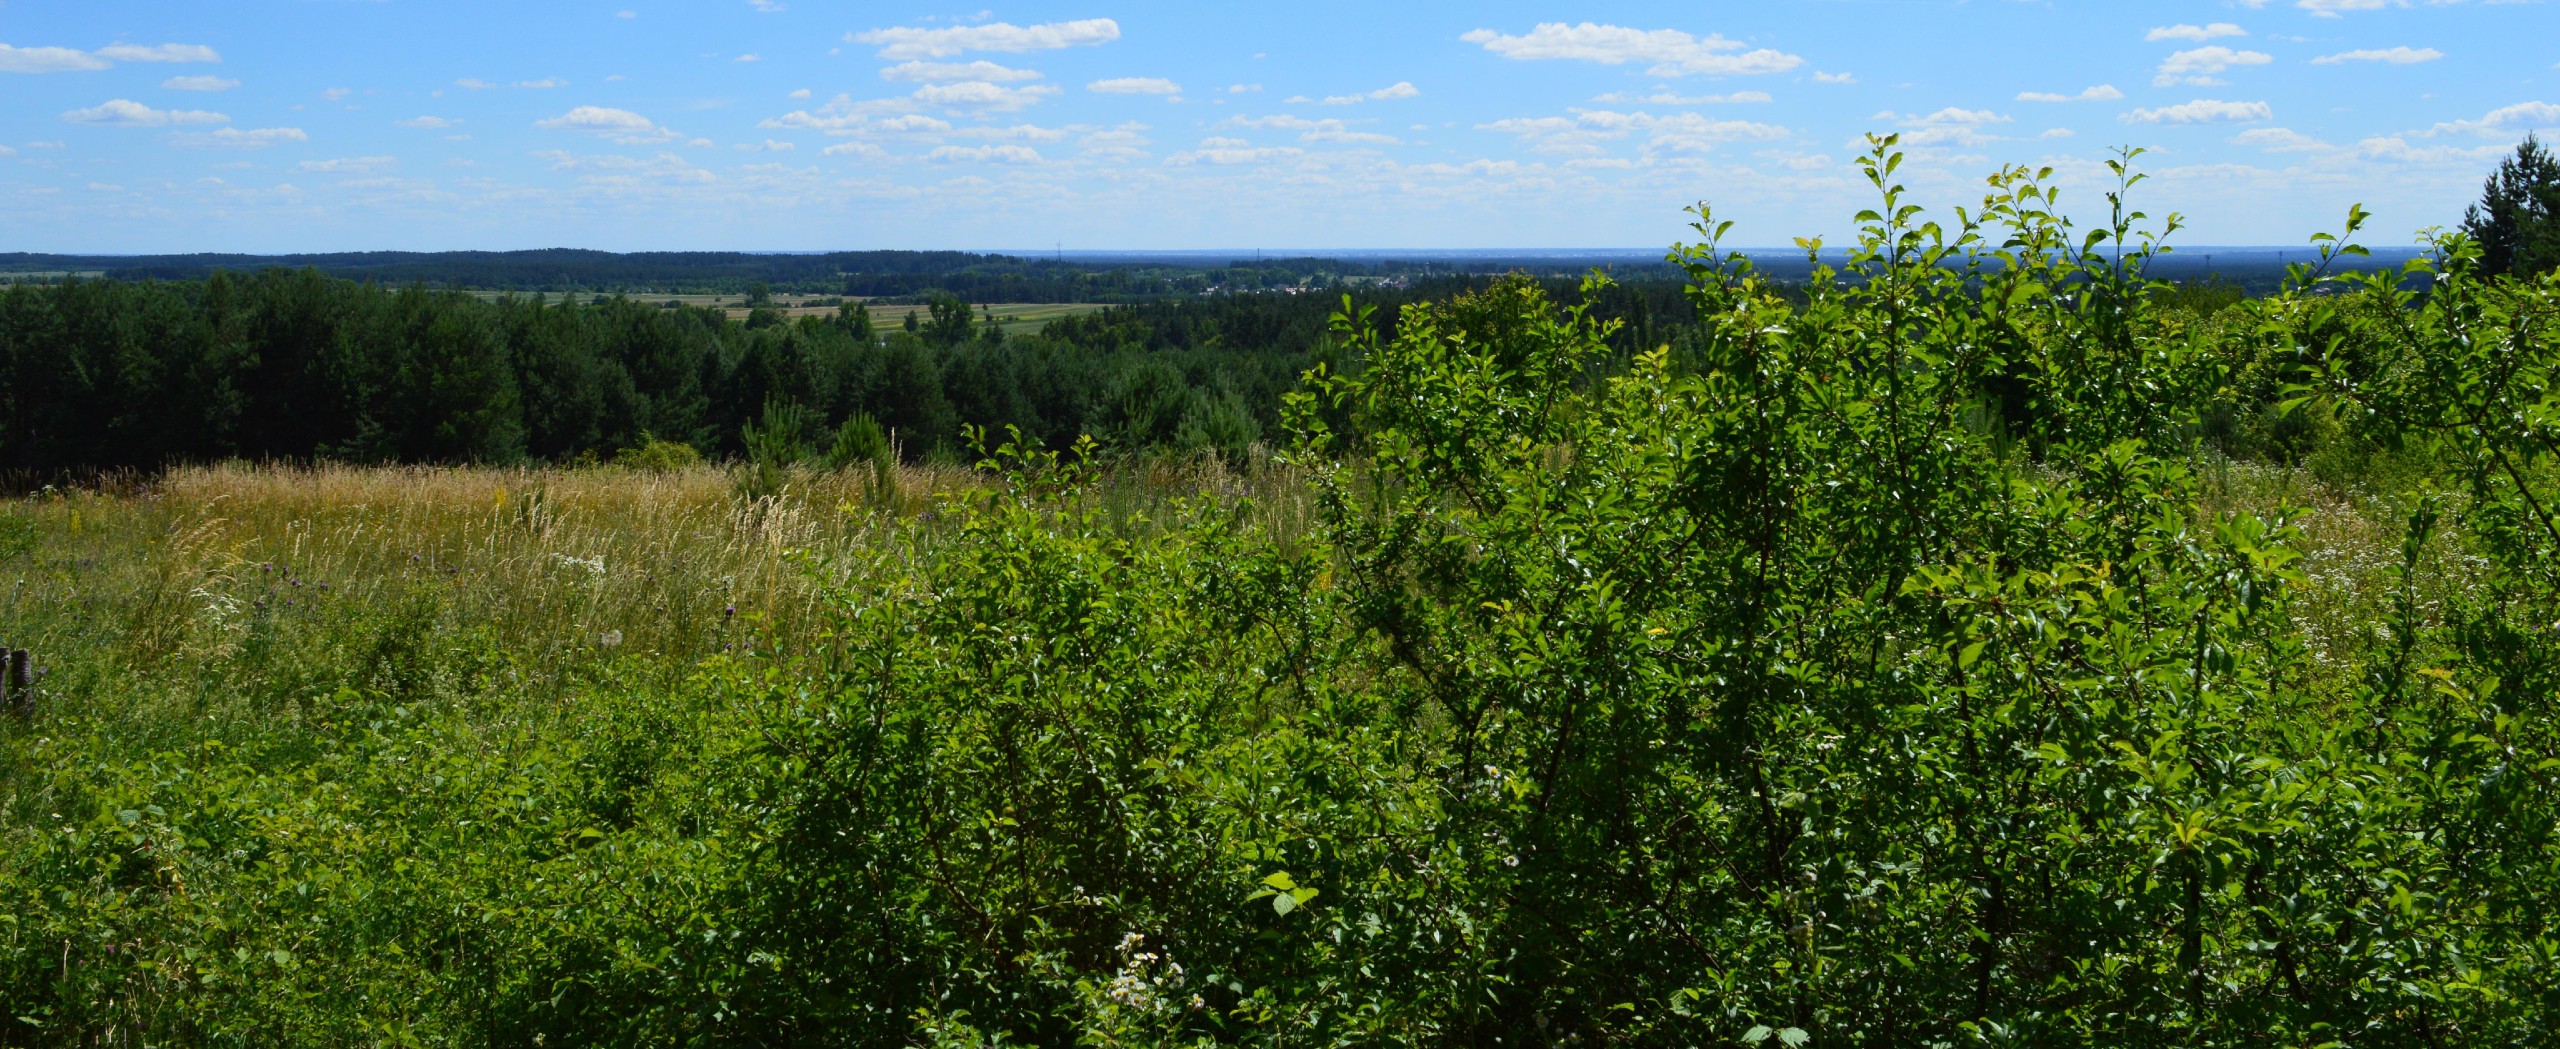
[1886, 664]
[658, 456]
[2517, 222]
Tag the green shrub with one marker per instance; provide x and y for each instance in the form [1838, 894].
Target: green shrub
[658, 456]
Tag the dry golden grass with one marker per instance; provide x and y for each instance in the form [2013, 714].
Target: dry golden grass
[216, 572]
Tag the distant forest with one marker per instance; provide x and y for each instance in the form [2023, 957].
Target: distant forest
[899, 275]
[287, 364]
[919, 276]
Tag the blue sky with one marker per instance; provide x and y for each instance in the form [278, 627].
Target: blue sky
[324, 125]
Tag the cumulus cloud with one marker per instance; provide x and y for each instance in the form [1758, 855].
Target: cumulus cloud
[984, 155]
[908, 42]
[618, 170]
[1835, 78]
[1327, 130]
[2197, 33]
[1666, 98]
[1399, 89]
[2398, 56]
[619, 125]
[946, 72]
[2504, 121]
[427, 123]
[2280, 140]
[1226, 152]
[864, 150]
[350, 165]
[199, 83]
[2203, 111]
[980, 95]
[2332, 8]
[2100, 93]
[48, 60]
[1952, 125]
[1582, 133]
[2199, 65]
[235, 138]
[1671, 52]
[123, 112]
[1135, 85]
[159, 53]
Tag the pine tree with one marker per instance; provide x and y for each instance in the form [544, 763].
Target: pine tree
[2517, 222]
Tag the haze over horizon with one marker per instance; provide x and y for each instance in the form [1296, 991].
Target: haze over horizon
[788, 125]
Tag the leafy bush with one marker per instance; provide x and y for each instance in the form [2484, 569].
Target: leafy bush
[658, 456]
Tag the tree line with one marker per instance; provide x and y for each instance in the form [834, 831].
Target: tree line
[103, 374]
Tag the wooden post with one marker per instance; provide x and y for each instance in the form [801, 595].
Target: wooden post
[22, 693]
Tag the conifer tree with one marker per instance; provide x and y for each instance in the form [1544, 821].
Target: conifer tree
[2517, 222]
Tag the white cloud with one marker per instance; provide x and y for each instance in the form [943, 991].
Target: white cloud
[48, 60]
[1135, 85]
[1949, 126]
[2202, 111]
[1239, 89]
[1835, 78]
[864, 150]
[946, 72]
[1666, 98]
[234, 138]
[749, 58]
[2100, 93]
[2197, 33]
[2280, 140]
[767, 6]
[199, 83]
[802, 93]
[427, 123]
[1326, 130]
[336, 93]
[2398, 56]
[2058, 132]
[2199, 65]
[2504, 121]
[350, 165]
[1023, 132]
[612, 170]
[159, 53]
[912, 124]
[1400, 89]
[1951, 115]
[906, 42]
[128, 113]
[620, 125]
[1582, 133]
[1672, 52]
[978, 94]
[984, 155]
[1228, 155]
[2330, 8]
